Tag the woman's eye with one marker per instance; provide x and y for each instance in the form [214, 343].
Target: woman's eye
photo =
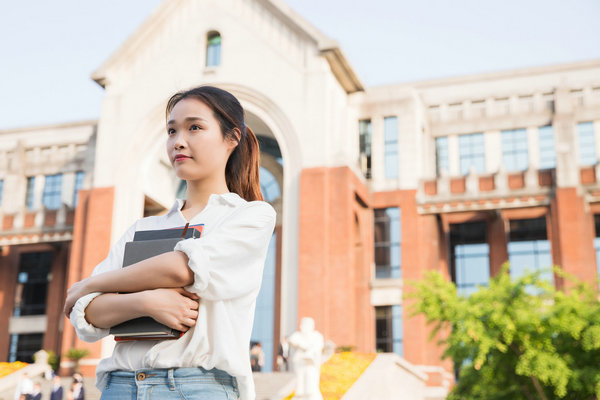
[170, 131]
[194, 127]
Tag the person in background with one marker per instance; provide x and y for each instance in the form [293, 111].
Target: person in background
[36, 394]
[257, 357]
[77, 390]
[24, 387]
[57, 389]
[282, 356]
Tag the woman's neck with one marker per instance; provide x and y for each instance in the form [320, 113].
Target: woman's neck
[198, 193]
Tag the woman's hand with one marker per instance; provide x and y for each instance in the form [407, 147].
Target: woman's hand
[177, 308]
[75, 292]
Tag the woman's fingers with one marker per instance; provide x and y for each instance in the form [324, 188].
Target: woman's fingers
[187, 294]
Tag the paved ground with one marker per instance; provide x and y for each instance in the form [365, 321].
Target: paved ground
[91, 393]
[269, 386]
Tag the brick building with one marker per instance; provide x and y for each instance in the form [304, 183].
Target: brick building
[372, 186]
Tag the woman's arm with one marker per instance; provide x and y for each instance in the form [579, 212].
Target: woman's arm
[167, 270]
[176, 308]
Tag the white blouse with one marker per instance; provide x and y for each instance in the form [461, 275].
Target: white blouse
[227, 261]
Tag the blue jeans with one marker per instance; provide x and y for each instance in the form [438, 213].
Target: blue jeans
[174, 383]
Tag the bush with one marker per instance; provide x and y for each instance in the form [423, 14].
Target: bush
[76, 355]
[53, 360]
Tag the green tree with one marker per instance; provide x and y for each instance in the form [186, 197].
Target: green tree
[516, 339]
[76, 355]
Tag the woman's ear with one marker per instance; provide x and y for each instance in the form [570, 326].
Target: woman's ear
[234, 139]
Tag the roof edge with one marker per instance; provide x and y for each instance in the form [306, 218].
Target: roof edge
[43, 127]
[502, 74]
[134, 39]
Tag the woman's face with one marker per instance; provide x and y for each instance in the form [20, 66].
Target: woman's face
[195, 144]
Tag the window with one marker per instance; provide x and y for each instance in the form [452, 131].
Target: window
[515, 156]
[529, 248]
[182, 190]
[263, 329]
[24, 346]
[52, 192]
[470, 256]
[597, 242]
[79, 175]
[441, 155]
[213, 49]
[547, 152]
[32, 283]
[389, 330]
[390, 129]
[269, 187]
[1, 190]
[388, 238]
[364, 134]
[587, 144]
[30, 194]
[471, 151]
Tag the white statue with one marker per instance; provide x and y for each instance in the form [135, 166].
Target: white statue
[306, 360]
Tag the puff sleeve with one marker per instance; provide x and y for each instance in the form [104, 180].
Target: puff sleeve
[86, 331]
[228, 262]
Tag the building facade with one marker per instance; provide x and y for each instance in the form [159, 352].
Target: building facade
[372, 186]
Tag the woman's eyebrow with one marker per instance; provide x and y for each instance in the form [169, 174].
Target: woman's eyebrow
[188, 119]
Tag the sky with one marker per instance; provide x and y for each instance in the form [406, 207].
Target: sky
[48, 49]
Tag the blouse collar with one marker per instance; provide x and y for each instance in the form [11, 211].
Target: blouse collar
[230, 198]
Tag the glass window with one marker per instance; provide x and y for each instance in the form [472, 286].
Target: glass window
[441, 155]
[529, 248]
[547, 152]
[30, 194]
[52, 192]
[1, 190]
[587, 144]
[365, 134]
[264, 320]
[32, 283]
[388, 239]
[269, 186]
[515, 156]
[389, 331]
[470, 256]
[24, 346]
[390, 129]
[471, 151]
[79, 175]
[213, 49]
[182, 190]
[597, 242]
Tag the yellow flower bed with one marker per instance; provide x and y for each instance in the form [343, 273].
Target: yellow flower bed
[8, 368]
[340, 372]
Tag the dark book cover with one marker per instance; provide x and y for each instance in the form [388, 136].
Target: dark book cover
[193, 231]
[147, 244]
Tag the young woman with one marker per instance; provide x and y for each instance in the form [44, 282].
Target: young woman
[207, 286]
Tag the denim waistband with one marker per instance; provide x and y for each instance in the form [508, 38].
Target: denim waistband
[171, 376]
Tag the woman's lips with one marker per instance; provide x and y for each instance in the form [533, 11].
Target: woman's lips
[181, 158]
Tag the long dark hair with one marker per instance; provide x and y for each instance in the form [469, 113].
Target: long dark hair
[241, 171]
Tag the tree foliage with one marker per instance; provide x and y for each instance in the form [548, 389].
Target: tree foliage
[517, 339]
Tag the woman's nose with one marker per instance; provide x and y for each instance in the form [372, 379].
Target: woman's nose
[178, 142]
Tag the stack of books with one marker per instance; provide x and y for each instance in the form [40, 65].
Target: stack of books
[147, 244]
